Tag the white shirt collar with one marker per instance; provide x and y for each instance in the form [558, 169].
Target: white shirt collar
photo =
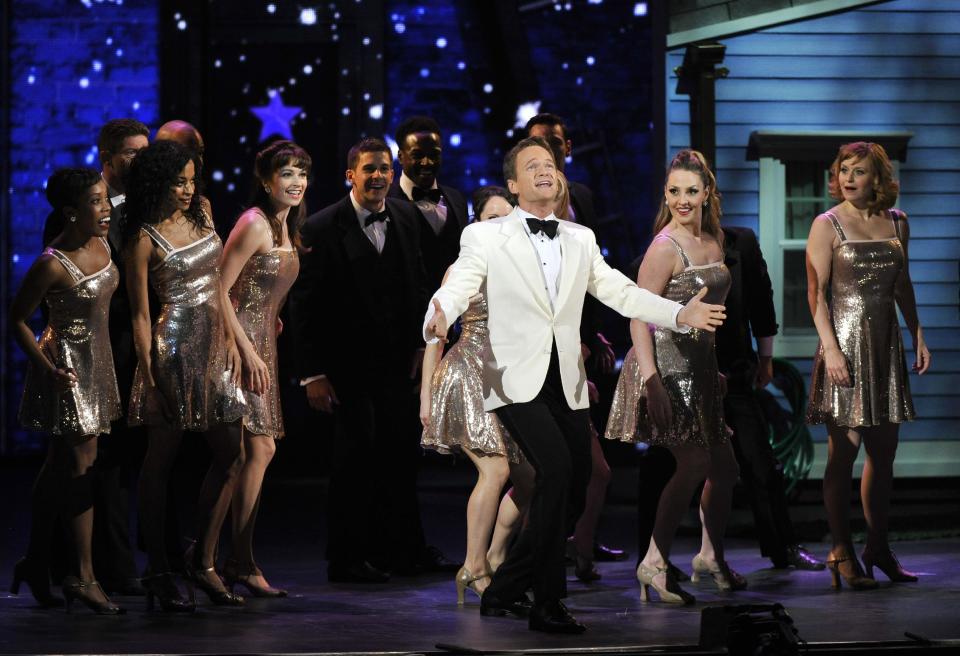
[406, 185]
[524, 215]
[363, 212]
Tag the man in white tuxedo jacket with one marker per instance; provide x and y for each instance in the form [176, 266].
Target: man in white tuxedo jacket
[535, 272]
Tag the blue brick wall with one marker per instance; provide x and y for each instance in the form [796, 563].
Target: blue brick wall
[73, 66]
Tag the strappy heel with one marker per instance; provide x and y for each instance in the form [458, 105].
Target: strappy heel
[671, 593]
[236, 573]
[726, 578]
[76, 590]
[856, 580]
[162, 587]
[465, 580]
[207, 579]
[887, 563]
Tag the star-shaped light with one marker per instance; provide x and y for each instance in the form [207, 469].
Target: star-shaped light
[525, 112]
[275, 117]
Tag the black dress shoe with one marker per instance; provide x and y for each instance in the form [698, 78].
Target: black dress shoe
[554, 617]
[800, 558]
[362, 572]
[433, 561]
[129, 587]
[605, 554]
[493, 606]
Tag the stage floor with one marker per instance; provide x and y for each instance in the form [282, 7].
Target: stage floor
[417, 614]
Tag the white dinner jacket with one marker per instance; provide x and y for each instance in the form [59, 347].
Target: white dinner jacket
[498, 258]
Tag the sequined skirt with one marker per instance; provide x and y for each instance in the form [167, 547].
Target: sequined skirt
[193, 388]
[457, 418]
[695, 400]
[880, 389]
[85, 409]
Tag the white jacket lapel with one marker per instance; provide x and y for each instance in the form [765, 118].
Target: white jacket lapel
[569, 265]
[523, 256]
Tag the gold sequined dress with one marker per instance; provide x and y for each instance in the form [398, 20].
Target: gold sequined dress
[457, 418]
[193, 388]
[76, 337]
[257, 297]
[863, 311]
[687, 363]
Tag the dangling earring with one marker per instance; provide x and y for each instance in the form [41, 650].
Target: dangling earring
[72, 218]
[706, 204]
[266, 189]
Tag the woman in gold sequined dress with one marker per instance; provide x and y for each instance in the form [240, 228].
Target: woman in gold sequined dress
[258, 266]
[188, 368]
[71, 388]
[454, 421]
[859, 386]
[670, 390]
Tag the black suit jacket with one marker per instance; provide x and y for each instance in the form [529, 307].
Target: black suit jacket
[333, 313]
[749, 305]
[584, 211]
[439, 251]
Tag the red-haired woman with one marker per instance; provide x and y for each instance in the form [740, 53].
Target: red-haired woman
[859, 386]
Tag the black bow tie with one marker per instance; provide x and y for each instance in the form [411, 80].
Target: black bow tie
[549, 228]
[373, 217]
[432, 195]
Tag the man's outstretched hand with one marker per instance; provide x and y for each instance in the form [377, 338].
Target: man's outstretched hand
[437, 326]
[698, 314]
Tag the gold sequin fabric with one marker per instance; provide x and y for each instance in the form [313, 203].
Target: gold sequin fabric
[457, 418]
[76, 337]
[863, 311]
[687, 363]
[257, 297]
[193, 388]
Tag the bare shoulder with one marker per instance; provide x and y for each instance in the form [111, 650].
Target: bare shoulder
[253, 221]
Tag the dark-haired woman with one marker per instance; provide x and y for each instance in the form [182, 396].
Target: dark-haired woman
[258, 267]
[859, 386]
[188, 368]
[669, 392]
[71, 388]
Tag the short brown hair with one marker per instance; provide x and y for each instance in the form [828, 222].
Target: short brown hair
[112, 134]
[885, 190]
[368, 145]
[510, 160]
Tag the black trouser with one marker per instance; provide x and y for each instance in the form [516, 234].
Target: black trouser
[556, 441]
[373, 512]
[760, 473]
[657, 466]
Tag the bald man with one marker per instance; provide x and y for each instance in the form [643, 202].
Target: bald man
[183, 133]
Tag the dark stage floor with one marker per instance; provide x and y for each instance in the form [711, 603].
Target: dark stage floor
[415, 615]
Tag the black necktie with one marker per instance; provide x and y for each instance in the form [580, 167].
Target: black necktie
[549, 228]
[432, 195]
[373, 217]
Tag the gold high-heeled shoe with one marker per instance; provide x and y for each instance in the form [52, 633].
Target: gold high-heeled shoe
[467, 580]
[726, 578]
[76, 590]
[856, 579]
[671, 593]
[887, 563]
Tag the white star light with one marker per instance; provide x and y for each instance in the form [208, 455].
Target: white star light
[525, 112]
[275, 117]
[308, 16]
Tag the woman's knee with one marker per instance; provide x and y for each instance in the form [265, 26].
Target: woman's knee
[493, 470]
[260, 449]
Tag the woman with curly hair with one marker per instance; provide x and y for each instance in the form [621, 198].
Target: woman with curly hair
[670, 389]
[258, 267]
[188, 369]
[859, 386]
[71, 388]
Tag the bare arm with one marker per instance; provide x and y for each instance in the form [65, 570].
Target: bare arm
[431, 358]
[658, 266]
[250, 236]
[234, 364]
[907, 301]
[45, 274]
[820, 244]
[137, 266]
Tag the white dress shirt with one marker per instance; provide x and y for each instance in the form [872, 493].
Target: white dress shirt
[434, 213]
[376, 232]
[549, 254]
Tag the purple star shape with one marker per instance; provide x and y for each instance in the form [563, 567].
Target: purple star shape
[275, 118]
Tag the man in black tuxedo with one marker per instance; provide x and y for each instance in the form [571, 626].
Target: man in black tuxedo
[355, 313]
[750, 314]
[443, 208]
[118, 456]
